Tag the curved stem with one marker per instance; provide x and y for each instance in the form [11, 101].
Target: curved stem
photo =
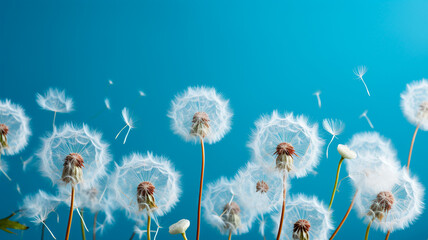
[148, 226]
[283, 208]
[132, 236]
[82, 226]
[230, 234]
[94, 235]
[328, 146]
[70, 216]
[345, 217]
[387, 235]
[43, 231]
[368, 229]
[201, 183]
[335, 183]
[184, 236]
[53, 122]
[411, 147]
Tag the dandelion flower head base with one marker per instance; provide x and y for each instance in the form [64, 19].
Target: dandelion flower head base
[72, 171]
[423, 111]
[262, 187]
[231, 216]
[4, 130]
[284, 160]
[145, 196]
[200, 125]
[381, 205]
[301, 230]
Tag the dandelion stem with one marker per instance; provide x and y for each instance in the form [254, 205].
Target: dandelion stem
[387, 235]
[148, 226]
[82, 225]
[345, 217]
[94, 234]
[184, 236]
[132, 236]
[365, 85]
[368, 229]
[283, 207]
[1, 169]
[335, 183]
[43, 231]
[70, 216]
[53, 122]
[411, 147]
[230, 234]
[200, 189]
[328, 146]
[120, 131]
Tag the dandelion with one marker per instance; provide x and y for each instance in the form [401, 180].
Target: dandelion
[38, 207]
[347, 153]
[110, 82]
[14, 130]
[225, 209]
[306, 218]
[107, 103]
[317, 94]
[294, 143]
[26, 162]
[359, 72]
[129, 122]
[393, 208]
[364, 115]
[146, 185]
[180, 227]
[414, 104]
[56, 101]
[141, 93]
[334, 127]
[200, 114]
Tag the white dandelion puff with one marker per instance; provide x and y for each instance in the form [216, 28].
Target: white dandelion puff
[56, 101]
[364, 115]
[359, 72]
[129, 122]
[306, 218]
[317, 94]
[200, 100]
[334, 127]
[107, 103]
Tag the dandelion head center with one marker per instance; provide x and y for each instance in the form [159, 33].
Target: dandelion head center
[262, 187]
[232, 208]
[284, 156]
[201, 117]
[231, 215]
[200, 125]
[423, 110]
[382, 205]
[74, 159]
[301, 225]
[145, 196]
[285, 148]
[145, 189]
[4, 129]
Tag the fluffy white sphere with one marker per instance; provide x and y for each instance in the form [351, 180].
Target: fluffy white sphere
[414, 103]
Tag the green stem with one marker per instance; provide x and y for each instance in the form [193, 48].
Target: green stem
[368, 229]
[148, 226]
[184, 236]
[335, 183]
[82, 225]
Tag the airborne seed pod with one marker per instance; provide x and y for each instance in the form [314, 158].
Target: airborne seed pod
[381, 205]
[200, 125]
[284, 160]
[72, 169]
[145, 196]
[301, 230]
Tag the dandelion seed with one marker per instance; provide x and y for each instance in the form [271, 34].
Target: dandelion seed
[317, 94]
[364, 115]
[110, 82]
[18, 189]
[107, 103]
[333, 126]
[26, 162]
[56, 101]
[128, 123]
[142, 94]
[359, 72]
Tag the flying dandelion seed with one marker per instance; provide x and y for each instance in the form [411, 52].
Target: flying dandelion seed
[333, 126]
[393, 208]
[129, 122]
[142, 94]
[26, 162]
[317, 94]
[14, 131]
[107, 103]
[364, 115]
[359, 72]
[225, 209]
[56, 101]
[110, 82]
[154, 180]
[18, 189]
[306, 218]
[414, 104]
[200, 114]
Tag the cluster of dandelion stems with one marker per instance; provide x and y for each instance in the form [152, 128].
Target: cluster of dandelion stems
[284, 163]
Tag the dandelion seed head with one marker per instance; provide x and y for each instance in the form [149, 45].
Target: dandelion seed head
[301, 230]
[145, 196]
[274, 129]
[381, 205]
[14, 127]
[55, 100]
[262, 187]
[72, 171]
[414, 103]
[231, 216]
[200, 125]
[185, 107]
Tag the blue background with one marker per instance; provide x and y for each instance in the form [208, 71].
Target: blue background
[262, 55]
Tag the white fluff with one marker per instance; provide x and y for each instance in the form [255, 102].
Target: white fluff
[73, 139]
[407, 207]
[14, 117]
[411, 99]
[200, 99]
[107, 103]
[307, 208]
[334, 127]
[55, 100]
[274, 129]
[359, 72]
